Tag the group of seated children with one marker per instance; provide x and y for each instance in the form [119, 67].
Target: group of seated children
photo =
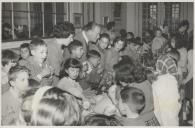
[116, 85]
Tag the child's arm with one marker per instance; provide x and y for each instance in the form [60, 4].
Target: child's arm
[110, 61]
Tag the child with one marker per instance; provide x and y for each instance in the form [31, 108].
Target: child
[39, 67]
[131, 104]
[130, 35]
[18, 80]
[167, 63]
[166, 100]
[69, 83]
[133, 74]
[25, 50]
[101, 120]
[112, 55]
[92, 76]
[9, 59]
[158, 43]
[70, 73]
[102, 45]
[76, 49]
[52, 106]
[132, 49]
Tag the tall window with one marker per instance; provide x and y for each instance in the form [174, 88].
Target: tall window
[26, 20]
[172, 11]
[149, 16]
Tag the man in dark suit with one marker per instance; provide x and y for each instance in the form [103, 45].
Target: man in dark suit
[90, 33]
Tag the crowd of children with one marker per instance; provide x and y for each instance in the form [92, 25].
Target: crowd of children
[99, 77]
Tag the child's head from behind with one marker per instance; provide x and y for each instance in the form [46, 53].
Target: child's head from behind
[9, 59]
[38, 50]
[71, 68]
[94, 57]
[104, 41]
[123, 71]
[52, 106]
[132, 101]
[101, 120]
[123, 74]
[76, 49]
[25, 50]
[19, 78]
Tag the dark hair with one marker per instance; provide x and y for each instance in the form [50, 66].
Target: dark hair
[63, 30]
[157, 29]
[7, 56]
[191, 43]
[180, 42]
[33, 83]
[131, 33]
[104, 35]
[70, 63]
[123, 73]
[13, 72]
[110, 25]
[165, 24]
[173, 53]
[139, 73]
[123, 33]
[184, 23]
[122, 70]
[74, 44]
[93, 53]
[91, 25]
[118, 38]
[101, 120]
[37, 42]
[138, 40]
[25, 45]
[133, 40]
[134, 96]
[6, 25]
[129, 72]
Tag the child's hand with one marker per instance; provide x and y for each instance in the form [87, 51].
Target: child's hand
[100, 70]
[85, 67]
[46, 71]
[86, 104]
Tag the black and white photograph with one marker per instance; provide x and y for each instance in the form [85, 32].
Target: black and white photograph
[97, 63]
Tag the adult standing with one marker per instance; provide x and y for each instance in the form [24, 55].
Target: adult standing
[63, 34]
[90, 33]
[183, 30]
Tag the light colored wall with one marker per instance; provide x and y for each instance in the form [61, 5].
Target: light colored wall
[103, 9]
[134, 18]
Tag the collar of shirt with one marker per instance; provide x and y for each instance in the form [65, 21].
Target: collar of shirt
[85, 37]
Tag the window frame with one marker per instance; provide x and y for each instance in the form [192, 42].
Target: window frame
[29, 12]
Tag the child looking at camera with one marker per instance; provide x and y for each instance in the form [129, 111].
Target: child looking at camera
[70, 73]
[39, 67]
